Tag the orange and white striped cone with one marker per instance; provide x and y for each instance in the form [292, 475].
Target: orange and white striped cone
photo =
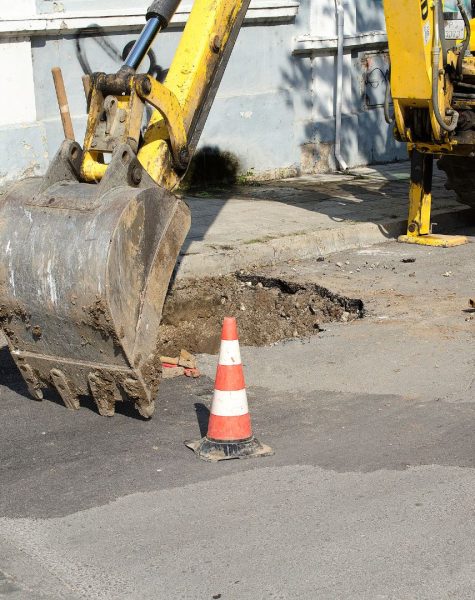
[229, 429]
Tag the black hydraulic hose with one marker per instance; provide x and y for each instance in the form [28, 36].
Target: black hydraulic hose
[387, 98]
[449, 127]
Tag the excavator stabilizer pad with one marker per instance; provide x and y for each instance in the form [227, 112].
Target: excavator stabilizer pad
[437, 241]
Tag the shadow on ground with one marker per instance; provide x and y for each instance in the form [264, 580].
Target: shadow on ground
[378, 195]
[56, 461]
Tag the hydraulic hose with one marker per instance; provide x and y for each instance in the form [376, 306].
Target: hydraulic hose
[387, 96]
[449, 127]
[466, 41]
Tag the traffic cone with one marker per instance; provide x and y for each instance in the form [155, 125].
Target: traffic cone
[229, 429]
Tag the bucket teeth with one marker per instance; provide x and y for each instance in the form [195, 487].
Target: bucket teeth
[145, 408]
[137, 392]
[104, 392]
[63, 388]
[32, 382]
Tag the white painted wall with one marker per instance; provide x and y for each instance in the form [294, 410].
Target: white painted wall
[276, 100]
[17, 102]
[18, 8]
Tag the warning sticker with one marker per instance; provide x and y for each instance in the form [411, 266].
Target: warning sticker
[426, 29]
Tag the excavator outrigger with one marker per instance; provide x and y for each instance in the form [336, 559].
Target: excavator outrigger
[88, 250]
[433, 90]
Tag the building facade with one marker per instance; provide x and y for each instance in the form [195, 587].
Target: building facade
[276, 107]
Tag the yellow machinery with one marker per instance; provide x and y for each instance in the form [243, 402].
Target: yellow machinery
[433, 90]
[87, 252]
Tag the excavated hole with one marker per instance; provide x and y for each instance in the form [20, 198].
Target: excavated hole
[268, 310]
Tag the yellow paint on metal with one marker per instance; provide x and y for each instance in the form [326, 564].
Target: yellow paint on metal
[419, 229]
[180, 100]
[419, 210]
[428, 148]
[410, 27]
[437, 241]
[410, 32]
[472, 35]
[167, 104]
[92, 169]
[204, 39]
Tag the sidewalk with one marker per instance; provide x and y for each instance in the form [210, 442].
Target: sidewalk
[305, 217]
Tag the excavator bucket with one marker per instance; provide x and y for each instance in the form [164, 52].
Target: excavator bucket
[84, 270]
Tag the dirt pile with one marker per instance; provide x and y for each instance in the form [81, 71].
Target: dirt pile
[268, 310]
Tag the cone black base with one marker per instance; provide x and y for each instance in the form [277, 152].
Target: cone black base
[214, 451]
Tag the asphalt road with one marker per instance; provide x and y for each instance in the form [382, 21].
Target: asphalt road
[369, 494]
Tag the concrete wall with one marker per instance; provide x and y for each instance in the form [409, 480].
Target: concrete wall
[275, 108]
[366, 136]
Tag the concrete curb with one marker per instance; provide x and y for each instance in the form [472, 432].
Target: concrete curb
[307, 245]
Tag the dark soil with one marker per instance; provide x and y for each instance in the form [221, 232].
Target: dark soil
[267, 310]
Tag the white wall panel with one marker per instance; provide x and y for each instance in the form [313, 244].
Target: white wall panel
[17, 101]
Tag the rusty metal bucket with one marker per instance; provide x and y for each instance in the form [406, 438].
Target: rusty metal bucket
[84, 270]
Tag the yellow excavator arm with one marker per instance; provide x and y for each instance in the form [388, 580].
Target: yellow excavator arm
[181, 103]
[87, 251]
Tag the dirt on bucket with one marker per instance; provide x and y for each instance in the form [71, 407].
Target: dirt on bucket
[268, 310]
